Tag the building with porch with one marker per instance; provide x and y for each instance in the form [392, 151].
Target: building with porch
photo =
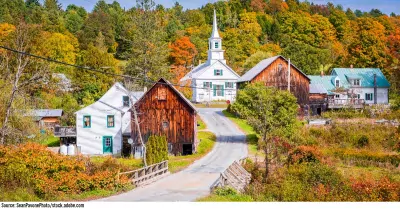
[352, 87]
[213, 80]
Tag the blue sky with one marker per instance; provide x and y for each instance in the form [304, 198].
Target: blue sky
[386, 6]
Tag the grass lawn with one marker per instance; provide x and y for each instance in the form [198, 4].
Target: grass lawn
[50, 141]
[251, 135]
[178, 163]
[201, 123]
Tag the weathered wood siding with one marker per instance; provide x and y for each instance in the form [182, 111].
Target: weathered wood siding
[299, 83]
[162, 104]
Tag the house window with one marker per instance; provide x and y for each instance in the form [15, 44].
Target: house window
[219, 90]
[87, 121]
[216, 45]
[337, 96]
[229, 85]
[337, 83]
[358, 96]
[110, 121]
[356, 82]
[217, 72]
[369, 96]
[207, 84]
[162, 93]
[125, 100]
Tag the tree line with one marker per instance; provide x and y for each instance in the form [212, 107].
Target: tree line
[149, 41]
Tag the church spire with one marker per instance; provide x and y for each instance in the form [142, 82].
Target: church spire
[215, 33]
[215, 51]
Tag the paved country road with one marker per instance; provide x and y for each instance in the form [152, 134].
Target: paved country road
[195, 181]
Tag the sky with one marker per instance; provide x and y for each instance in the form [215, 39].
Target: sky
[386, 6]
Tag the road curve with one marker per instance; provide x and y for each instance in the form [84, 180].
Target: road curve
[195, 181]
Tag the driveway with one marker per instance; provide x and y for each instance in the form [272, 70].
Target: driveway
[195, 181]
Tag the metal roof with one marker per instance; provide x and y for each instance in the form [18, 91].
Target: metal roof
[366, 76]
[47, 113]
[253, 72]
[317, 89]
[318, 81]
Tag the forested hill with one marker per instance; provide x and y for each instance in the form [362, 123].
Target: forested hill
[152, 41]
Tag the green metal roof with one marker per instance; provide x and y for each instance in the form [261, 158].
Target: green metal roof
[366, 76]
[325, 80]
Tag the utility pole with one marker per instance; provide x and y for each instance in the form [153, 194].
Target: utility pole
[289, 76]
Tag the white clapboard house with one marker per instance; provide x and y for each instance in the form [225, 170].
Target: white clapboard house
[102, 126]
[213, 80]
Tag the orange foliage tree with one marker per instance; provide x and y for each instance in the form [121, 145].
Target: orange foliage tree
[182, 51]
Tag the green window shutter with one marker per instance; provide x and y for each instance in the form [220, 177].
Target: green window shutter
[211, 85]
[215, 90]
[222, 90]
[372, 96]
[215, 72]
[222, 72]
[204, 84]
[226, 84]
[366, 96]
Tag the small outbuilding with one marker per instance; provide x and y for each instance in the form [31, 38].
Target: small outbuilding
[164, 111]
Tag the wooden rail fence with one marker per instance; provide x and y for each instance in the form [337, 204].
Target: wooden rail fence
[234, 176]
[147, 174]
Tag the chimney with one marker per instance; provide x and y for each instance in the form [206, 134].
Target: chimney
[351, 66]
[322, 73]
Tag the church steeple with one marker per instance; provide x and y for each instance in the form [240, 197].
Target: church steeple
[215, 33]
[215, 51]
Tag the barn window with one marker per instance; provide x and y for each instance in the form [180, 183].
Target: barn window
[87, 121]
[280, 67]
[110, 121]
[125, 100]
[165, 125]
[169, 147]
[162, 93]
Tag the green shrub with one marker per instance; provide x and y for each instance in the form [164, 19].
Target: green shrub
[225, 191]
[156, 149]
[362, 141]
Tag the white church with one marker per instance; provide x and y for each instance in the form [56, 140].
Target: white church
[213, 80]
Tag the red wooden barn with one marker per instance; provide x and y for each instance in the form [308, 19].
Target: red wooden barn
[274, 72]
[164, 111]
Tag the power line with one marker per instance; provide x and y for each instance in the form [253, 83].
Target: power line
[96, 70]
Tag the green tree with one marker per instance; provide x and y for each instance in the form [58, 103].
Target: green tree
[156, 149]
[149, 52]
[272, 113]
